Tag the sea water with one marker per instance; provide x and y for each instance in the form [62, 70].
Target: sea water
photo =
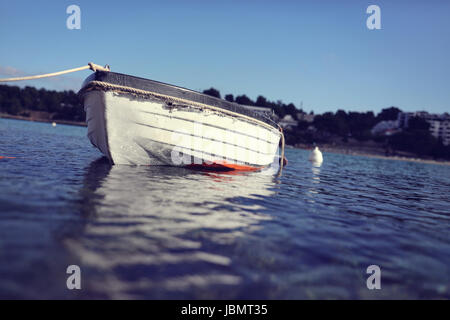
[162, 232]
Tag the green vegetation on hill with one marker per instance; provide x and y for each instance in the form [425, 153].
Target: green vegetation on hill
[281, 109]
[417, 139]
[61, 105]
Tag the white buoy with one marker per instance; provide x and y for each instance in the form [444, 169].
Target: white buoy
[316, 156]
[54, 124]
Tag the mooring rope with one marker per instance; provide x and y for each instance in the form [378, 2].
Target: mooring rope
[282, 149]
[94, 67]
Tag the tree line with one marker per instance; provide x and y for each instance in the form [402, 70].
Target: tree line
[281, 109]
[63, 105]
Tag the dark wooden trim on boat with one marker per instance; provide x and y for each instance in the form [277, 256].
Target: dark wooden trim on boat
[174, 91]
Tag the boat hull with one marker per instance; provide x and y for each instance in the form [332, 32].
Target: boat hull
[138, 129]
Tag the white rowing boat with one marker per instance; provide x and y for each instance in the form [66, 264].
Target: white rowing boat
[144, 122]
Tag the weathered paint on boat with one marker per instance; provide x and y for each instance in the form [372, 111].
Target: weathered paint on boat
[132, 128]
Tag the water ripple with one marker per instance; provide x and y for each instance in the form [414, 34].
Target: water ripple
[161, 232]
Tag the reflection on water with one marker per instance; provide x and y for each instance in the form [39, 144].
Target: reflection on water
[158, 218]
[315, 179]
[159, 232]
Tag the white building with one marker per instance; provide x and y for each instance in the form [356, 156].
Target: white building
[439, 123]
[305, 117]
[386, 127]
[288, 122]
[440, 128]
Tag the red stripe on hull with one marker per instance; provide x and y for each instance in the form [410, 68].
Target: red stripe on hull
[223, 166]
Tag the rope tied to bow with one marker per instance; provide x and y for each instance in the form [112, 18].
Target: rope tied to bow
[94, 67]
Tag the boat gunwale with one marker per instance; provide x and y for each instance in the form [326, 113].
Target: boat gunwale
[152, 86]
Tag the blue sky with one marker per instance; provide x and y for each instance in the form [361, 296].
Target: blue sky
[318, 52]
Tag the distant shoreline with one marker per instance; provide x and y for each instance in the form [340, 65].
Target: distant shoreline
[324, 148]
[66, 122]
